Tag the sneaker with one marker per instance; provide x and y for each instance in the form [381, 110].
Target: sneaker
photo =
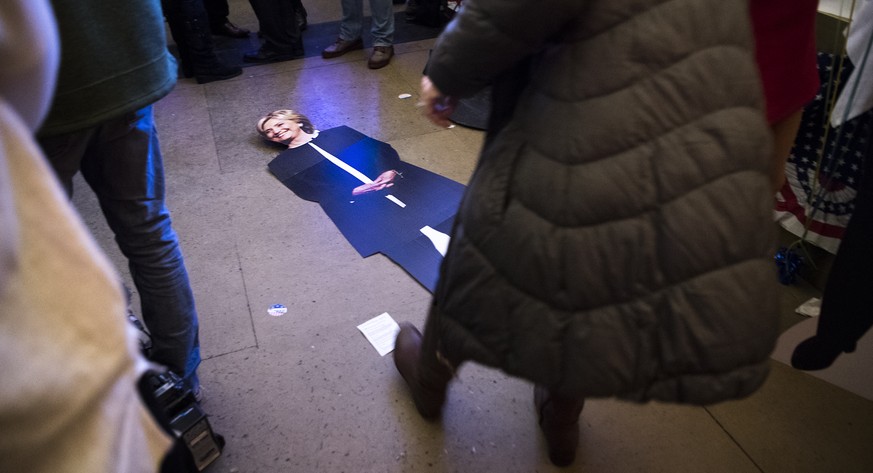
[380, 57]
[145, 339]
[342, 46]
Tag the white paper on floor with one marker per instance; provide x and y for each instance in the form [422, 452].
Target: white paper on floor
[381, 331]
[810, 308]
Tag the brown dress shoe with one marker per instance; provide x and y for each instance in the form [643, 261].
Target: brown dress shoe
[559, 421]
[426, 377]
[380, 57]
[342, 46]
[230, 30]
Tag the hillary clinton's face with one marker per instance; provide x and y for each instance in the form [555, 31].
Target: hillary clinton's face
[281, 130]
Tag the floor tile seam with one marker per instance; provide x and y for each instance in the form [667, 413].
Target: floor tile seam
[314, 65]
[416, 135]
[733, 439]
[213, 134]
[231, 352]
[245, 291]
[304, 66]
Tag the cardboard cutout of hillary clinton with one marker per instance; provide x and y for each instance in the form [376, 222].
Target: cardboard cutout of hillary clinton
[378, 202]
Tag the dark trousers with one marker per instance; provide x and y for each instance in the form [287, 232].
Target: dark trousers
[121, 161]
[847, 301]
[189, 25]
[278, 24]
[217, 11]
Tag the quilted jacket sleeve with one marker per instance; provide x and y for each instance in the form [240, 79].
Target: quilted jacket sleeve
[489, 36]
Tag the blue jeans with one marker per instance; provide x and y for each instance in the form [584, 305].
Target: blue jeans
[121, 161]
[352, 24]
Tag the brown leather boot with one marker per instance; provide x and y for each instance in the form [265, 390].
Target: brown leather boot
[426, 376]
[559, 421]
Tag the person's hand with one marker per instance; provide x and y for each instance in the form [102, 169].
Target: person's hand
[437, 107]
[386, 179]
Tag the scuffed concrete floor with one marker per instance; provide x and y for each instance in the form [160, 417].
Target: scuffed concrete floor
[306, 392]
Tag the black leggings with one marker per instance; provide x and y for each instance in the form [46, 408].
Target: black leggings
[847, 302]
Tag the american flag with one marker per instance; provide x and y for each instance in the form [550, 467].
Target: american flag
[825, 163]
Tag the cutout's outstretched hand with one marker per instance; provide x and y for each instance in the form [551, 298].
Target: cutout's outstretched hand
[386, 179]
[437, 106]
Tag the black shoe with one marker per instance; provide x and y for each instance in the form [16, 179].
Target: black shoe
[219, 72]
[267, 56]
[230, 30]
[815, 353]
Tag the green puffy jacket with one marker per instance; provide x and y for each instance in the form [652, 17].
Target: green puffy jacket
[616, 237]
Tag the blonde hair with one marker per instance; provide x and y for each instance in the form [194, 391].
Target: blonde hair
[291, 115]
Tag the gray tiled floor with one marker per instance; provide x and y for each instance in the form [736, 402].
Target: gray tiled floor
[305, 392]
